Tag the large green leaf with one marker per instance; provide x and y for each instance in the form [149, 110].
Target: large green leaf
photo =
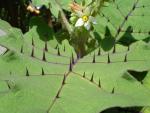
[127, 20]
[38, 78]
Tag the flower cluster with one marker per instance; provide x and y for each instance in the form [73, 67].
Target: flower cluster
[84, 16]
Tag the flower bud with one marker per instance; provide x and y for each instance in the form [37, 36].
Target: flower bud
[73, 19]
[75, 7]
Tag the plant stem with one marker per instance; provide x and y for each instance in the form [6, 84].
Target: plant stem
[65, 20]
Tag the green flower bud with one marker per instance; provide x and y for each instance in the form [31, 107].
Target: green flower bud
[73, 19]
[73, 14]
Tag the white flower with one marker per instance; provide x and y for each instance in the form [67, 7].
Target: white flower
[85, 19]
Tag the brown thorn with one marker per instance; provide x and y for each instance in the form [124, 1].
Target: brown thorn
[70, 65]
[113, 91]
[126, 18]
[32, 42]
[134, 6]
[72, 59]
[128, 48]
[92, 78]
[21, 49]
[43, 73]
[108, 59]
[84, 75]
[142, 82]
[56, 46]
[58, 51]
[119, 30]
[32, 53]
[64, 48]
[44, 57]
[27, 72]
[93, 58]
[114, 49]
[46, 48]
[99, 52]
[99, 83]
[125, 59]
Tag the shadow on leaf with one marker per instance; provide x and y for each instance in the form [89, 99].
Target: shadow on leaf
[108, 42]
[122, 110]
[44, 31]
[127, 38]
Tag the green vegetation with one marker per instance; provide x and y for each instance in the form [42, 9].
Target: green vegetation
[53, 65]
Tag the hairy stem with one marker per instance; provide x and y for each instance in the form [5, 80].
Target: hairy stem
[65, 20]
